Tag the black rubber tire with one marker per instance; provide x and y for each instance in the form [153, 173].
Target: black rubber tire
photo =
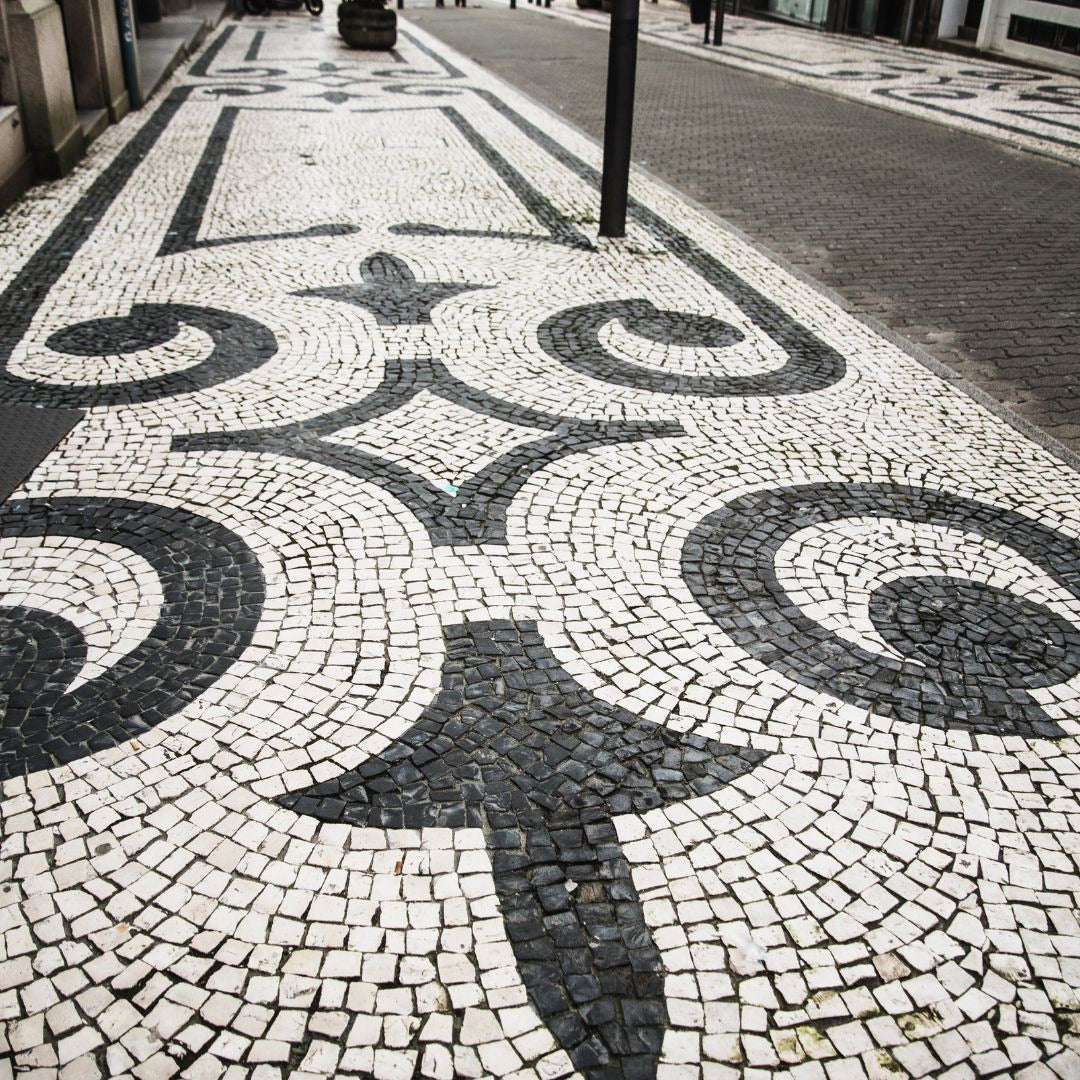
[255, 7]
[367, 28]
[315, 7]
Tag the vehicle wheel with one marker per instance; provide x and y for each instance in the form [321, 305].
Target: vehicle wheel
[255, 7]
[315, 7]
[363, 27]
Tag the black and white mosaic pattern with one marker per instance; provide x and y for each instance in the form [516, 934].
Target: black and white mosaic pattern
[454, 645]
[211, 594]
[962, 651]
[513, 747]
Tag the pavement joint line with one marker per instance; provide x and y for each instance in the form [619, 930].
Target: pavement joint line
[452, 653]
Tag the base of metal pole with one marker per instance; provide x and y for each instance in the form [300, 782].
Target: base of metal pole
[908, 23]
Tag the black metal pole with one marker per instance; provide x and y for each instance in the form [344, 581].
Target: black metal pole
[718, 28]
[129, 56]
[619, 117]
[708, 16]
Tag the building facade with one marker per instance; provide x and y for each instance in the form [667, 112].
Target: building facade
[1043, 32]
[69, 68]
[62, 81]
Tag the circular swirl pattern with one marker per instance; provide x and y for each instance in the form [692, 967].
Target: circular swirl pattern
[240, 345]
[212, 594]
[968, 652]
[573, 337]
[942, 621]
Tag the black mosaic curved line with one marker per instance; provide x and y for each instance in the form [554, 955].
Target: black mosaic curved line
[1004, 80]
[806, 349]
[256, 73]
[212, 595]
[573, 338]
[243, 90]
[390, 73]
[421, 90]
[28, 288]
[514, 746]
[240, 345]
[1059, 94]
[389, 290]
[476, 512]
[971, 652]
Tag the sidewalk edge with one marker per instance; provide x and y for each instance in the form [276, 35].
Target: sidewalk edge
[916, 352]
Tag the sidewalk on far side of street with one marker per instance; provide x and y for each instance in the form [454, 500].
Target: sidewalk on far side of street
[1031, 109]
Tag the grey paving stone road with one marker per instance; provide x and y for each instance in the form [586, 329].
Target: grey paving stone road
[963, 245]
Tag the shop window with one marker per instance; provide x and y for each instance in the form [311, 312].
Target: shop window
[810, 12]
[1046, 35]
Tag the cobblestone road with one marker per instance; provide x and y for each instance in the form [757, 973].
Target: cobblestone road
[451, 646]
[962, 245]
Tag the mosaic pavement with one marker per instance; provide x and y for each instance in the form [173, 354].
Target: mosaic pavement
[1030, 109]
[453, 646]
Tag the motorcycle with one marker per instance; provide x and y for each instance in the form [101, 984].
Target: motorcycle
[263, 7]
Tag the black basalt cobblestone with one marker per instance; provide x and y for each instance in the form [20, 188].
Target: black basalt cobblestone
[213, 592]
[967, 652]
[513, 745]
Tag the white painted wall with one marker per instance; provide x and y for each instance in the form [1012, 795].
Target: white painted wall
[952, 15]
[12, 145]
[994, 31]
